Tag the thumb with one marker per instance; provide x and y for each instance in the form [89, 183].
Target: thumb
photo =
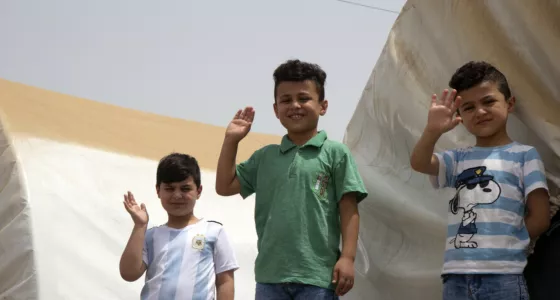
[457, 120]
[335, 275]
[143, 207]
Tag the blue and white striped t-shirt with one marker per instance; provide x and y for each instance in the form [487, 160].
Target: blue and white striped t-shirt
[486, 230]
[183, 263]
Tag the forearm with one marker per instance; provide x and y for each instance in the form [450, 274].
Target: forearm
[225, 173]
[225, 291]
[350, 224]
[422, 158]
[131, 265]
[536, 225]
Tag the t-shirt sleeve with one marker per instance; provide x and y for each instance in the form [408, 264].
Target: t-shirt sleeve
[447, 169]
[347, 179]
[224, 255]
[246, 173]
[534, 176]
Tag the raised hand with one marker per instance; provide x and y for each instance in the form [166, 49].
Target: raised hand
[138, 213]
[442, 113]
[240, 126]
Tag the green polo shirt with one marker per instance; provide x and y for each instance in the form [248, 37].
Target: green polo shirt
[297, 189]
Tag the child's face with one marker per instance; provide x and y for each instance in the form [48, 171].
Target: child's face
[178, 198]
[484, 109]
[297, 106]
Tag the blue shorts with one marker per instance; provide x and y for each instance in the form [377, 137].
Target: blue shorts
[293, 291]
[484, 287]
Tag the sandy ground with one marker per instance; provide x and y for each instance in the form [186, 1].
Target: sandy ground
[32, 111]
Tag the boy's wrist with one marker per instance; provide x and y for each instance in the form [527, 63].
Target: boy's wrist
[140, 226]
[230, 140]
[348, 256]
[432, 135]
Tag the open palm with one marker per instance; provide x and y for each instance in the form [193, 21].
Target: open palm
[138, 213]
[240, 126]
[442, 113]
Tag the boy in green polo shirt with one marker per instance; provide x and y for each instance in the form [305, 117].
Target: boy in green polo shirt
[307, 191]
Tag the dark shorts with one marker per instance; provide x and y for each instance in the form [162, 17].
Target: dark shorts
[543, 266]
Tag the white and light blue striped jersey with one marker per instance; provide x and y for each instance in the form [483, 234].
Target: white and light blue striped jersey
[182, 263]
[486, 230]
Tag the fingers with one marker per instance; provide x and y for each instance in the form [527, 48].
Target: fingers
[237, 114]
[335, 276]
[456, 103]
[247, 114]
[131, 199]
[344, 286]
[447, 98]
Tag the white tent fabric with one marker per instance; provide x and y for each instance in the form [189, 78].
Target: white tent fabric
[403, 225]
[18, 279]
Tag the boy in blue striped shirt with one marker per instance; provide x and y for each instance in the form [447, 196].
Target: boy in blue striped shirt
[501, 200]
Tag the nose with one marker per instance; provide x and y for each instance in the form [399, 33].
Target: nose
[486, 190]
[295, 104]
[481, 111]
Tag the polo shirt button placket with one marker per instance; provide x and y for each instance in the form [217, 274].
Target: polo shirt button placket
[294, 166]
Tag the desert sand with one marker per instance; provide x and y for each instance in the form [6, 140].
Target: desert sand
[32, 111]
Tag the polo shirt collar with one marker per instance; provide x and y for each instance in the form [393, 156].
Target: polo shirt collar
[316, 141]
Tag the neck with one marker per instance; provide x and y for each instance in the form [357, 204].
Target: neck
[301, 138]
[500, 138]
[179, 222]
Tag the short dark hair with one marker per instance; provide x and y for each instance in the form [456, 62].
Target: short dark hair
[296, 70]
[177, 167]
[476, 72]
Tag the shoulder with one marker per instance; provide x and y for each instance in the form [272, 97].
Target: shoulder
[522, 153]
[214, 228]
[336, 150]
[265, 150]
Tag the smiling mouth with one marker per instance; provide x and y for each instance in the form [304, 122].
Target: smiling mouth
[296, 117]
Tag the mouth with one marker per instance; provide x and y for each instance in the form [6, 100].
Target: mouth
[296, 116]
[483, 122]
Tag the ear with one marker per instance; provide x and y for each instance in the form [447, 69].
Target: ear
[511, 104]
[199, 191]
[324, 106]
[275, 109]
[157, 190]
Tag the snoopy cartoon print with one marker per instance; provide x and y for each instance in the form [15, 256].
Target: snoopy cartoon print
[474, 188]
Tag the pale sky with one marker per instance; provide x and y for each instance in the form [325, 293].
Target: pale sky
[195, 60]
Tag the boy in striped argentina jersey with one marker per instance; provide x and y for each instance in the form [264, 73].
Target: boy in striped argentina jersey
[501, 200]
[186, 258]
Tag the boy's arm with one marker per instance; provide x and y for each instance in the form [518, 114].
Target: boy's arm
[441, 118]
[227, 183]
[422, 158]
[350, 190]
[349, 223]
[225, 287]
[537, 219]
[225, 264]
[132, 265]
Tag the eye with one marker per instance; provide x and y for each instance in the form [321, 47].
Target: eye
[471, 186]
[484, 184]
